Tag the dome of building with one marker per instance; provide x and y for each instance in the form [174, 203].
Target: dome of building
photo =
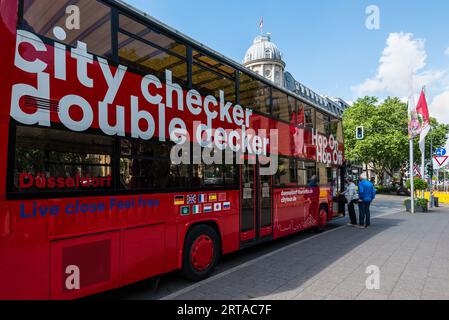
[263, 49]
[265, 59]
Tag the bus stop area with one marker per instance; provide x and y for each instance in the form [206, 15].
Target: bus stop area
[410, 252]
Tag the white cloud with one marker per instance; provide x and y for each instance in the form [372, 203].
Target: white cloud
[439, 108]
[446, 52]
[403, 58]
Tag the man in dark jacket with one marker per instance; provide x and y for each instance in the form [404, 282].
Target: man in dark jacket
[313, 182]
[367, 194]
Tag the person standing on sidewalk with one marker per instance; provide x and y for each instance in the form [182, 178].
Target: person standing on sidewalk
[367, 194]
[352, 197]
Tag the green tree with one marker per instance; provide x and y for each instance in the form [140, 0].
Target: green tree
[386, 144]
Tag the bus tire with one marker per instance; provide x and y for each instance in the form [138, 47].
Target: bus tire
[201, 253]
[322, 219]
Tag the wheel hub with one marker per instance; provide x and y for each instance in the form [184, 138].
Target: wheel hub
[202, 253]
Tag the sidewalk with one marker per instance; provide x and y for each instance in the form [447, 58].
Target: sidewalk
[412, 252]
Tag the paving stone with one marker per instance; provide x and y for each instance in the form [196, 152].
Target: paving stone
[308, 296]
[372, 295]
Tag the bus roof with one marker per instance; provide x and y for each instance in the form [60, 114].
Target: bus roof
[145, 16]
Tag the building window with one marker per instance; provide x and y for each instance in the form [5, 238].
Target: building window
[268, 54]
[268, 73]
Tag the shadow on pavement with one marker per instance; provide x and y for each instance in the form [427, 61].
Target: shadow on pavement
[279, 274]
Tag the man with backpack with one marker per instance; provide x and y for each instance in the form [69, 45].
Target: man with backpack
[367, 194]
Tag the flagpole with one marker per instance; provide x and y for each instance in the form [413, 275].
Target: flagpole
[412, 178]
[423, 154]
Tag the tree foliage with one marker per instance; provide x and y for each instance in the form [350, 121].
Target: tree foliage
[386, 144]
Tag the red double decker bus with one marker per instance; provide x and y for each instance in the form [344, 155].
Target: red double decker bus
[91, 194]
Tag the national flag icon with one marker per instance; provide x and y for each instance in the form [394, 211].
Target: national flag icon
[217, 206]
[196, 209]
[202, 198]
[185, 211]
[227, 206]
[222, 197]
[207, 208]
[213, 197]
[179, 200]
[191, 199]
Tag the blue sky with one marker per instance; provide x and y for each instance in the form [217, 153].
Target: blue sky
[326, 44]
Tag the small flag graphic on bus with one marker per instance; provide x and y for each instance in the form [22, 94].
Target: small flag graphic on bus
[197, 209]
[202, 198]
[179, 200]
[222, 197]
[213, 197]
[207, 208]
[191, 199]
[185, 211]
[227, 206]
[217, 207]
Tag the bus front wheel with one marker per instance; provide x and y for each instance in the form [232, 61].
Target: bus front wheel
[201, 253]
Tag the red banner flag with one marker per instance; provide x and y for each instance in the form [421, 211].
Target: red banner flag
[423, 110]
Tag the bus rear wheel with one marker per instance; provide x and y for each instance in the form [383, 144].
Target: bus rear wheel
[201, 253]
[322, 220]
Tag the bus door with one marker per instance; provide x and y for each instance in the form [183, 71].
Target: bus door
[256, 219]
[338, 185]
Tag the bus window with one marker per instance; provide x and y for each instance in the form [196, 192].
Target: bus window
[217, 175]
[212, 64]
[306, 170]
[254, 94]
[302, 174]
[324, 174]
[140, 31]
[150, 59]
[323, 123]
[286, 175]
[309, 116]
[146, 165]
[283, 106]
[41, 16]
[209, 82]
[337, 129]
[49, 160]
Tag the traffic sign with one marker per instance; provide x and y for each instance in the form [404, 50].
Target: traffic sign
[417, 171]
[441, 152]
[440, 161]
